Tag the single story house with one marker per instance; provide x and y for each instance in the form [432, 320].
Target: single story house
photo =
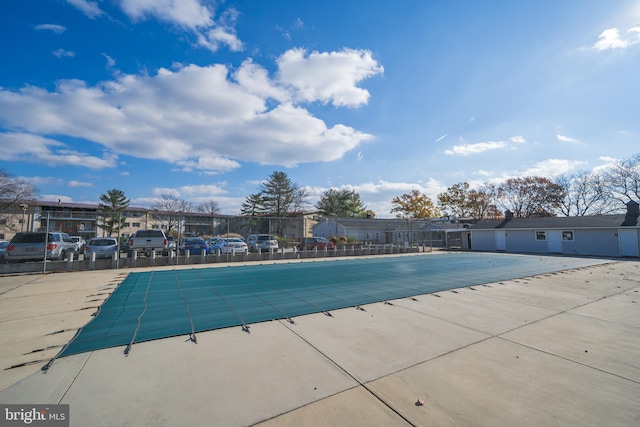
[597, 235]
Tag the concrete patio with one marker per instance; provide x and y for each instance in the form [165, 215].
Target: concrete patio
[556, 349]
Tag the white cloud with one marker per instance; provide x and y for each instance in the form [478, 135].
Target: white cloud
[187, 13]
[59, 29]
[196, 117]
[23, 146]
[61, 52]
[551, 168]
[110, 61]
[190, 14]
[563, 138]
[608, 163]
[187, 191]
[74, 183]
[328, 76]
[611, 39]
[89, 8]
[480, 147]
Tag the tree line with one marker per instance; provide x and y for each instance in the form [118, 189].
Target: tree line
[578, 194]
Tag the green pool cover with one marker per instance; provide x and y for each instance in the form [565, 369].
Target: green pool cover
[158, 304]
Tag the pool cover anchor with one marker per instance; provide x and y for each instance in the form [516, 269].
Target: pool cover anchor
[192, 338]
[245, 328]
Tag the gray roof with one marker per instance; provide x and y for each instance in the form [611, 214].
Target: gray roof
[390, 224]
[594, 221]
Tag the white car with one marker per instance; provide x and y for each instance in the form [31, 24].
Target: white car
[264, 242]
[228, 245]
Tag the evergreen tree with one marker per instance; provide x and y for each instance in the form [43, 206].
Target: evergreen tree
[340, 203]
[111, 210]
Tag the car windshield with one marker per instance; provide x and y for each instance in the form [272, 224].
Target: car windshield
[235, 240]
[322, 240]
[266, 238]
[102, 242]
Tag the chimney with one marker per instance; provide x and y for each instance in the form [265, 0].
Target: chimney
[631, 218]
[508, 215]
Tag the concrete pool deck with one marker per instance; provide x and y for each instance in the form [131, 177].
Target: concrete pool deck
[554, 349]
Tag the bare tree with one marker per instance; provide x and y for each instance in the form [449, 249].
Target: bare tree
[481, 202]
[169, 211]
[622, 182]
[584, 194]
[14, 192]
[528, 196]
[210, 208]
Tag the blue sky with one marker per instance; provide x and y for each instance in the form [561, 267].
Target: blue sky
[204, 99]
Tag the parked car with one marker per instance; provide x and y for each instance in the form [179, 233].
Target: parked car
[309, 243]
[30, 246]
[195, 246]
[145, 241]
[171, 243]
[216, 243]
[228, 245]
[80, 242]
[3, 249]
[264, 242]
[103, 247]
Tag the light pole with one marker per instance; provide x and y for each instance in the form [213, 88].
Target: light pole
[24, 207]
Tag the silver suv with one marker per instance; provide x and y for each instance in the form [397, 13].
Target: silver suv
[264, 242]
[30, 246]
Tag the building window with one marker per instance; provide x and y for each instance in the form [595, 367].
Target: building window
[135, 224]
[567, 235]
[541, 235]
[67, 224]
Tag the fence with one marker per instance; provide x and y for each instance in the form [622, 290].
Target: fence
[172, 259]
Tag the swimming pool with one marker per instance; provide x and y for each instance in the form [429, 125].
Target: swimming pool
[157, 304]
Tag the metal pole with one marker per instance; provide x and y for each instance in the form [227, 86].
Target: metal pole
[46, 243]
[118, 245]
[24, 211]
